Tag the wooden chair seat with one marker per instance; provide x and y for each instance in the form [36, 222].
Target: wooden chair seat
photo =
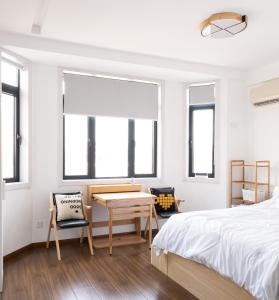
[167, 214]
[72, 223]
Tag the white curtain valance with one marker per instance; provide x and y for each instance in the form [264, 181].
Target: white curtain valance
[99, 96]
[202, 94]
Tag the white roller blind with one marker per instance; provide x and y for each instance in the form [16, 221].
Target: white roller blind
[98, 96]
[202, 94]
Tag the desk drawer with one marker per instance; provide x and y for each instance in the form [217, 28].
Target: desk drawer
[131, 212]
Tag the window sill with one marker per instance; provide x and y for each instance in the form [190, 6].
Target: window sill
[201, 180]
[17, 186]
[79, 182]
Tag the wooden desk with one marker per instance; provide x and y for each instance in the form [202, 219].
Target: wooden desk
[126, 206]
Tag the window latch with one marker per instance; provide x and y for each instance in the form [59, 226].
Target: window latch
[19, 138]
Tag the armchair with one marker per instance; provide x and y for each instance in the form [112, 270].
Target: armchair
[68, 210]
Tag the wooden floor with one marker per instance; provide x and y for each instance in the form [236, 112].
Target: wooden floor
[127, 274]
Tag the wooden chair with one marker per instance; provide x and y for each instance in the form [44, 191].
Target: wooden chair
[68, 224]
[177, 203]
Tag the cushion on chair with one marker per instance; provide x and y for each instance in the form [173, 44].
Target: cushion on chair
[68, 206]
[72, 223]
[165, 202]
[167, 214]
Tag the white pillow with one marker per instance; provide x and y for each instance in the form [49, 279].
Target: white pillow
[68, 206]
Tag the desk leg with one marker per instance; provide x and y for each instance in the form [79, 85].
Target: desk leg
[156, 220]
[150, 225]
[110, 230]
[146, 227]
[138, 227]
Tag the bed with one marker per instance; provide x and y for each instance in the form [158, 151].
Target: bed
[223, 254]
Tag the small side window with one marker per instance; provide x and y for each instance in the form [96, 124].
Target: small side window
[10, 126]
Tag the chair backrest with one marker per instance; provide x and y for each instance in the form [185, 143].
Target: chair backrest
[68, 206]
[165, 201]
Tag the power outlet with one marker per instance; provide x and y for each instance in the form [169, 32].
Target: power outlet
[40, 224]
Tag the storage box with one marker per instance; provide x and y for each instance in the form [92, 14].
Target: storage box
[249, 195]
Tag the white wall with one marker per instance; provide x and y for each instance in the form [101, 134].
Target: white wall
[266, 138]
[233, 142]
[240, 121]
[17, 220]
[196, 194]
[46, 159]
[266, 123]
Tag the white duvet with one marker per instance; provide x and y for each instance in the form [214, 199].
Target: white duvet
[241, 243]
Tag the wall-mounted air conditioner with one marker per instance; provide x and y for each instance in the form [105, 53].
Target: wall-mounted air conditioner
[265, 93]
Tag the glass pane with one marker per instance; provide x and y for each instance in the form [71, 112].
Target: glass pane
[111, 147]
[203, 140]
[76, 145]
[8, 135]
[144, 146]
[9, 74]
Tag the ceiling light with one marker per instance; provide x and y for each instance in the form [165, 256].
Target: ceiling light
[223, 25]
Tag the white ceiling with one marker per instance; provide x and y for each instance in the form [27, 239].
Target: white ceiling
[167, 28]
[108, 67]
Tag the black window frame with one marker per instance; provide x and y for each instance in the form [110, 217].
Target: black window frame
[192, 109]
[15, 92]
[91, 146]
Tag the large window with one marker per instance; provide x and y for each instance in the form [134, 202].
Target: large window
[10, 122]
[201, 140]
[144, 146]
[109, 147]
[76, 145]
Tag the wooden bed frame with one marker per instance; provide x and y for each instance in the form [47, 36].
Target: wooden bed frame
[202, 282]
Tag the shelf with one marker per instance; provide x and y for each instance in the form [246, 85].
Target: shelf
[245, 165]
[252, 184]
[249, 182]
[239, 200]
[248, 165]
[118, 240]
[260, 164]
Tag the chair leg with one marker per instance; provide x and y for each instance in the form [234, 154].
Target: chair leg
[156, 217]
[81, 236]
[48, 236]
[90, 240]
[56, 241]
[150, 226]
[154, 214]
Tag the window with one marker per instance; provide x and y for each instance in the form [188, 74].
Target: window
[109, 147]
[144, 146]
[10, 122]
[201, 140]
[76, 145]
[111, 144]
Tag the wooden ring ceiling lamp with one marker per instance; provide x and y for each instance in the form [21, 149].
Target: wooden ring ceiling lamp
[223, 25]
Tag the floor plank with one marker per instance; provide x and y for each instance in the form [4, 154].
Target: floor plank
[127, 274]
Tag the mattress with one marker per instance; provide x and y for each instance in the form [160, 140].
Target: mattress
[241, 243]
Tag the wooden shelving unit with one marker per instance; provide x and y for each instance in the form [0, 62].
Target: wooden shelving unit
[242, 183]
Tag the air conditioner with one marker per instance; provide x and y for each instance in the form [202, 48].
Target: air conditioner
[265, 93]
